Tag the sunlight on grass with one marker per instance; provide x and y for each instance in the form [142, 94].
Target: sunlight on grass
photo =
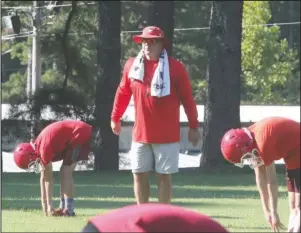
[230, 199]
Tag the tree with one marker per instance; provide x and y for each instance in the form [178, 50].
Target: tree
[287, 11]
[268, 64]
[189, 46]
[162, 15]
[67, 50]
[223, 79]
[109, 54]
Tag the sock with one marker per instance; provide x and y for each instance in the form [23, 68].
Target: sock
[62, 203]
[69, 205]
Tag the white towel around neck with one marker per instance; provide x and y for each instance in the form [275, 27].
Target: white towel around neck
[160, 85]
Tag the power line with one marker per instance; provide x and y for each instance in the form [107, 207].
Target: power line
[272, 24]
[137, 31]
[63, 5]
[21, 35]
[206, 28]
[16, 7]
[13, 37]
[48, 6]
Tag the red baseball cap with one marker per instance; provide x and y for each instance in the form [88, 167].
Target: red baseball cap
[154, 217]
[151, 32]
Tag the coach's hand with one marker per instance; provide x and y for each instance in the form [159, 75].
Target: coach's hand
[194, 136]
[116, 127]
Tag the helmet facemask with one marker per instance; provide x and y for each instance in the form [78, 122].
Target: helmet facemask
[35, 166]
[252, 158]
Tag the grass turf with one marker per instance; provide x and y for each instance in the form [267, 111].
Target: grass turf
[231, 199]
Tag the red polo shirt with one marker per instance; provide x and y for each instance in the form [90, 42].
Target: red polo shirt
[278, 138]
[55, 138]
[157, 120]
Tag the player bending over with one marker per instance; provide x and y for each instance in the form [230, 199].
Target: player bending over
[67, 140]
[260, 144]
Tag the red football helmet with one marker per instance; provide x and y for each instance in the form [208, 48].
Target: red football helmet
[25, 156]
[238, 146]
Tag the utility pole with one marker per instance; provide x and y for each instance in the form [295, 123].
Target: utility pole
[36, 62]
[28, 86]
[29, 73]
[36, 47]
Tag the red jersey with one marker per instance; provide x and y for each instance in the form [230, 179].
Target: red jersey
[157, 120]
[59, 136]
[278, 138]
[155, 217]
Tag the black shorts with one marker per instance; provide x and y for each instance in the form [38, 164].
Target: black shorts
[70, 156]
[293, 180]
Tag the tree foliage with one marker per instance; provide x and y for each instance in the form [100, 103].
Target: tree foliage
[267, 61]
[270, 67]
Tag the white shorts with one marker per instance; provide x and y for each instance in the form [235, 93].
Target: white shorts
[164, 158]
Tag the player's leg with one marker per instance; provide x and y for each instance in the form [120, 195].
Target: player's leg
[166, 163]
[294, 218]
[80, 153]
[59, 157]
[67, 182]
[69, 191]
[68, 188]
[141, 163]
[293, 186]
[297, 223]
[297, 213]
[62, 199]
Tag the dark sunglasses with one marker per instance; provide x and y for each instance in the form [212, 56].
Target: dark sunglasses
[150, 40]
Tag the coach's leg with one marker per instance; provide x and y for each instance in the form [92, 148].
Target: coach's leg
[141, 187]
[164, 188]
[166, 163]
[141, 163]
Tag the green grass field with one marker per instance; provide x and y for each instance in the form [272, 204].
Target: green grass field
[231, 199]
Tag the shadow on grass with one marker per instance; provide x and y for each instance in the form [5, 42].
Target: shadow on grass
[27, 204]
[187, 178]
[17, 190]
[102, 205]
[21, 190]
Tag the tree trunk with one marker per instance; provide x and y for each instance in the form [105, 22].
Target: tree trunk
[161, 14]
[65, 45]
[222, 107]
[109, 55]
